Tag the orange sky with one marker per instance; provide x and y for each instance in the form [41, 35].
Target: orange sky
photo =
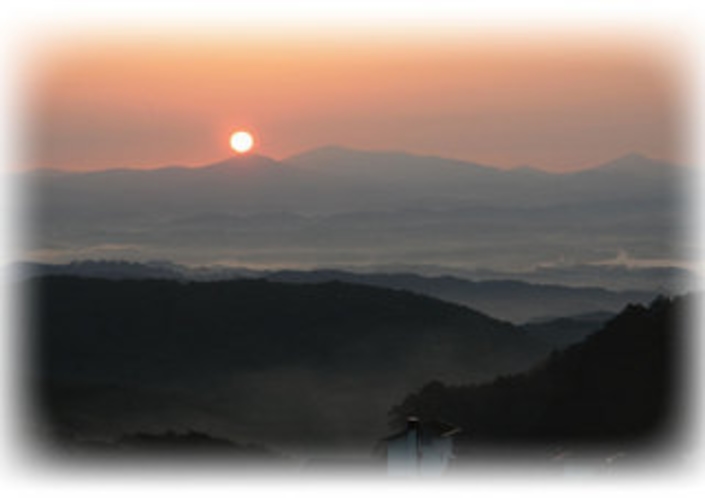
[555, 103]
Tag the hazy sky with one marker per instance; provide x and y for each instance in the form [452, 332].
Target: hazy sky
[96, 102]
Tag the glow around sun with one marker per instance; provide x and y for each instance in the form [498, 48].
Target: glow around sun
[241, 142]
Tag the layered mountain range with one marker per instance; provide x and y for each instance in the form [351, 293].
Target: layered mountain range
[262, 334]
[510, 300]
[336, 207]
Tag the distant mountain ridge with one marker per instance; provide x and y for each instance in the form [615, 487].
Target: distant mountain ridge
[400, 177]
[339, 208]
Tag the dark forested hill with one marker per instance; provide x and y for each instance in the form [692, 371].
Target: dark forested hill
[511, 300]
[619, 385]
[151, 330]
[504, 299]
[251, 359]
[562, 332]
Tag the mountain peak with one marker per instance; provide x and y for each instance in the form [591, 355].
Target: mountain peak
[633, 164]
[633, 156]
[344, 158]
[333, 151]
[249, 160]
[634, 161]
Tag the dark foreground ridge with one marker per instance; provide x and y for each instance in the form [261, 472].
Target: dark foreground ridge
[620, 386]
[250, 360]
[285, 369]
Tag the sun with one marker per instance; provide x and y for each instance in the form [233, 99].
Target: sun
[241, 141]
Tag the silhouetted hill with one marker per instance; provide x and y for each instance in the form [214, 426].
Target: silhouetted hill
[250, 359]
[196, 328]
[562, 332]
[507, 299]
[620, 385]
[170, 443]
[113, 270]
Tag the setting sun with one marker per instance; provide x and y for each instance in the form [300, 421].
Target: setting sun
[241, 142]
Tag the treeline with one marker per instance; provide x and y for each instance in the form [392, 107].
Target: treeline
[620, 385]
